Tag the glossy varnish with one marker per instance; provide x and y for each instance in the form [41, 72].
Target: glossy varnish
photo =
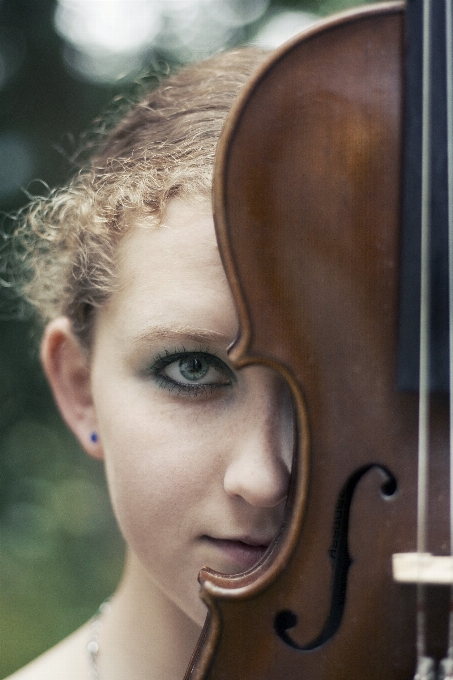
[308, 212]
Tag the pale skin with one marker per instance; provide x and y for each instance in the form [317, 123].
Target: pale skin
[197, 454]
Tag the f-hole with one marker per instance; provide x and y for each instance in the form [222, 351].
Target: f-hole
[341, 561]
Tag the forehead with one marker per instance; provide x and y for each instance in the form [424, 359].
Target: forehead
[172, 273]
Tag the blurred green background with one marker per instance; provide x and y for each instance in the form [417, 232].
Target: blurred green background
[61, 63]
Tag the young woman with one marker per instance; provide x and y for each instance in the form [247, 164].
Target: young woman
[124, 270]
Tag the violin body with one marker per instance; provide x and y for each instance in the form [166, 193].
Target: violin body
[307, 200]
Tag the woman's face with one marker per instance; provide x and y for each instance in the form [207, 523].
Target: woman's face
[197, 454]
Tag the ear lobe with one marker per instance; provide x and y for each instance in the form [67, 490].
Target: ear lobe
[66, 365]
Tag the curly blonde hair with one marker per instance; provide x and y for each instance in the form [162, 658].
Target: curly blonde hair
[164, 147]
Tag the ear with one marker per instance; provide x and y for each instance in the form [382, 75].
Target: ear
[67, 367]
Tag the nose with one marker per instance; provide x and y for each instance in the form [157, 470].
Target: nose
[259, 464]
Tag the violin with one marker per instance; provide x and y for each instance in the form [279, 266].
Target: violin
[333, 205]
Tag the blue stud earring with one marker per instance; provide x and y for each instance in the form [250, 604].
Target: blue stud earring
[94, 437]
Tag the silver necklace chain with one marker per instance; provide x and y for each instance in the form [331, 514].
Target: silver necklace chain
[93, 639]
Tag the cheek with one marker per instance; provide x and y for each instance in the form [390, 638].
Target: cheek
[162, 462]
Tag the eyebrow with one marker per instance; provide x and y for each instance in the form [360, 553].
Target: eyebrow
[180, 333]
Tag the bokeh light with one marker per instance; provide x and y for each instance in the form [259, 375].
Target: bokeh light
[108, 39]
[115, 25]
[282, 27]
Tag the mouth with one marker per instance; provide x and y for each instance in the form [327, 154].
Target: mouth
[241, 553]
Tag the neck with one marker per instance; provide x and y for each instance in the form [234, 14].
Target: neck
[144, 636]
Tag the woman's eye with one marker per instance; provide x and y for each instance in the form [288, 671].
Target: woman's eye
[192, 372]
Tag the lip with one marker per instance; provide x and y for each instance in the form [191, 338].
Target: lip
[242, 553]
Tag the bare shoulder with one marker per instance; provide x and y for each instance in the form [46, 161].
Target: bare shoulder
[65, 661]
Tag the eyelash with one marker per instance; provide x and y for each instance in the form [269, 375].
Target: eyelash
[165, 382]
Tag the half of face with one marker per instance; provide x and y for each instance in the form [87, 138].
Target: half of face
[197, 453]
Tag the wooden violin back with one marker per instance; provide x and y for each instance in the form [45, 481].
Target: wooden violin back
[307, 202]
